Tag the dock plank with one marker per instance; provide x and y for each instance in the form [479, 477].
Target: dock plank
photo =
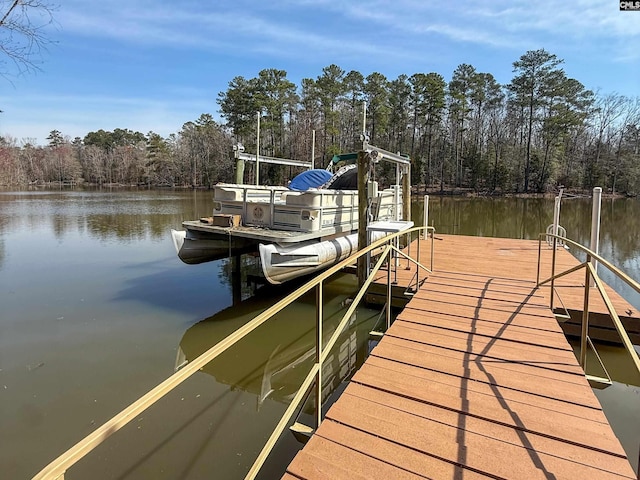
[563, 436]
[326, 459]
[473, 380]
[490, 373]
[412, 460]
[443, 381]
[485, 328]
[477, 351]
[457, 445]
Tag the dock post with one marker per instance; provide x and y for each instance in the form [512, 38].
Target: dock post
[595, 227]
[313, 149]
[239, 171]
[238, 149]
[258, 150]
[584, 332]
[425, 215]
[556, 214]
[406, 193]
[319, 317]
[363, 171]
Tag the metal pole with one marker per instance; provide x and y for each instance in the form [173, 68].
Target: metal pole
[425, 216]
[553, 271]
[406, 193]
[419, 260]
[319, 315]
[388, 309]
[363, 168]
[595, 227]
[556, 215]
[313, 148]
[364, 125]
[539, 257]
[396, 194]
[258, 151]
[585, 320]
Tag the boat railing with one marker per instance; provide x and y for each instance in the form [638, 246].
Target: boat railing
[390, 254]
[591, 280]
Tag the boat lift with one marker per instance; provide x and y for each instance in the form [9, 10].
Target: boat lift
[238, 153]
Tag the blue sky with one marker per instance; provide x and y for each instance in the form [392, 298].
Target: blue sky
[154, 65]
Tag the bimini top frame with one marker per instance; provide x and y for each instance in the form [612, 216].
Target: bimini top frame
[378, 154]
[238, 153]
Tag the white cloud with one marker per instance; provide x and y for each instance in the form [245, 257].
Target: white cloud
[512, 24]
[227, 28]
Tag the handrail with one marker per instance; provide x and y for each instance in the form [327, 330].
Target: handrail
[590, 273]
[57, 468]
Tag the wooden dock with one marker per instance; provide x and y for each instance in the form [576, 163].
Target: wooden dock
[474, 379]
[517, 259]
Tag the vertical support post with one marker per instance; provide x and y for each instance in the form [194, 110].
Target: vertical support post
[319, 316]
[407, 239]
[364, 125]
[258, 150]
[239, 171]
[419, 261]
[425, 215]
[396, 195]
[363, 170]
[553, 272]
[313, 148]
[433, 234]
[595, 227]
[539, 259]
[388, 305]
[556, 215]
[406, 193]
[585, 319]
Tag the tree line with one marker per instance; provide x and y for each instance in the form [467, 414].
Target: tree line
[541, 130]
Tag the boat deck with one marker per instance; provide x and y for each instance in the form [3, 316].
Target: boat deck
[261, 234]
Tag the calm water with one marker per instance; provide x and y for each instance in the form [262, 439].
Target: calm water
[97, 309]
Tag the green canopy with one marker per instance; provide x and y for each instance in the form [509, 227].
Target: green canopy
[345, 157]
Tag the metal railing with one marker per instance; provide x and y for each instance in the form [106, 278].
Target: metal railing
[56, 469]
[590, 275]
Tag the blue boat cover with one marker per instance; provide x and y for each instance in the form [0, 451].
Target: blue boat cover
[310, 179]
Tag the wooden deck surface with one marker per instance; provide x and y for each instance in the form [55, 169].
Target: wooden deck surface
[473, 380]
[517, 259]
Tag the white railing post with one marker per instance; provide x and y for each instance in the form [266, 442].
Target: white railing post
[396, 195]
[595, 227]
[319, 316]
[556, 215]
[388, 305]
[313, 149]
[258, 150]
[425, 215]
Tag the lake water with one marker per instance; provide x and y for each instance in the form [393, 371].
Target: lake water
[96, 309]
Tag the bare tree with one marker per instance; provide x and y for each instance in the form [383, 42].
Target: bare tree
[23, 36]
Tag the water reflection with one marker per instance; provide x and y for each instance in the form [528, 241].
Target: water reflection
[273, 361]
[106, 215]
[621, 400]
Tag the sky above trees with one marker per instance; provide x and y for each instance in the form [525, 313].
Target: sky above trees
[152, 66]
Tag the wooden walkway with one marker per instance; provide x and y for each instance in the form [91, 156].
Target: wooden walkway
[473, 380]
[518, 259]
